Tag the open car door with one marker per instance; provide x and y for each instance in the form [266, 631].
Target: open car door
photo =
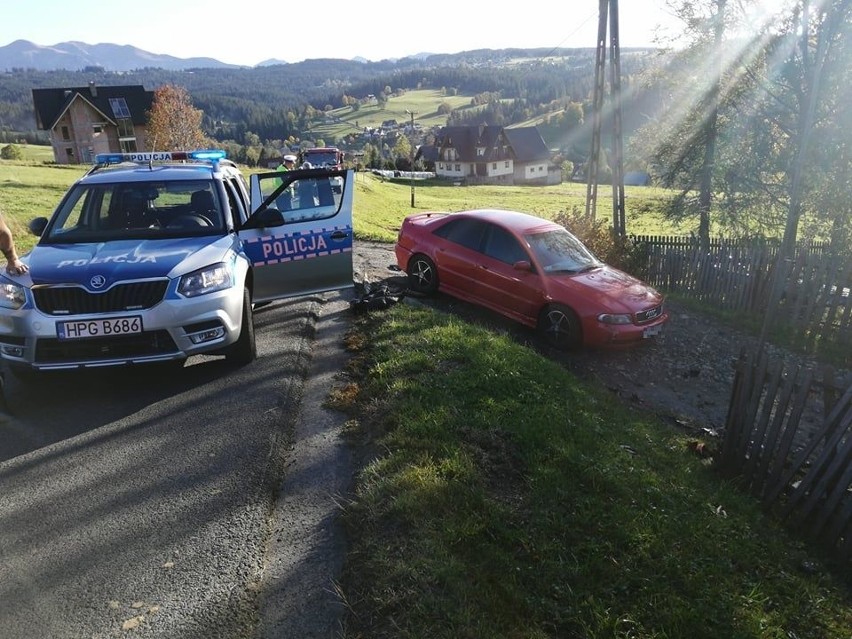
[299, 233]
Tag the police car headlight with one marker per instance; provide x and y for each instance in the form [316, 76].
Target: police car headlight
[12, 295]
[206, 280]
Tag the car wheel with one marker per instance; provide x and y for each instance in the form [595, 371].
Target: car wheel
[244, 350]
[422, 275]
[560, 327]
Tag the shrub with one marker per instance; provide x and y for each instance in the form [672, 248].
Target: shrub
[621, 252]
[11, 152]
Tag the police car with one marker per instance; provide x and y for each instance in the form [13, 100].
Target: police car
[154, 257]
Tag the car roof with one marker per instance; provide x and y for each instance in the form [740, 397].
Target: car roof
[143, 173]
[518, 222]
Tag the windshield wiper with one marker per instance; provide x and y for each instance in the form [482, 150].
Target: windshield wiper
[587, 268]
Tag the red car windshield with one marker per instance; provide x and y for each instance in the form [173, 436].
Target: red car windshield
[559, 251]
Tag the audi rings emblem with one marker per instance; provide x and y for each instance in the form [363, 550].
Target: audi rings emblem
[97, 281]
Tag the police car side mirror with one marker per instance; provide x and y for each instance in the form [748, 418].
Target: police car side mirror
[265, 218]
[37, 226]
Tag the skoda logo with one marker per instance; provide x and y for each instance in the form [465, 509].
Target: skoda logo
[97, 281]
[652, 313]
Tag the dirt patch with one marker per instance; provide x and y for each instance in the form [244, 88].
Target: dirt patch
[684, 375]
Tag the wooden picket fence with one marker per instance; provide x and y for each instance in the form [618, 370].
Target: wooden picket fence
[815, 307]
[800, 467]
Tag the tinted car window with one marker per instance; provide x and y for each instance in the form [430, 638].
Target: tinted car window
[236, 203]
[503, 246]
[463, 231]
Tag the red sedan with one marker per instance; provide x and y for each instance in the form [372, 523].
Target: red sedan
[531, 270]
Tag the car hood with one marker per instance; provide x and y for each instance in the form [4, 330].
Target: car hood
[105, 263]
[614, 290]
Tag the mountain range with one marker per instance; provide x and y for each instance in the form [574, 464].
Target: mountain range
[78, 56]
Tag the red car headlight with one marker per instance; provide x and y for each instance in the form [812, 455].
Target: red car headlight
[615, 318]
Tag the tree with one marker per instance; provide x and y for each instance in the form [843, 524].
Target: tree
[761, 136]
[173, 123]
[686, 137]
[402, 152]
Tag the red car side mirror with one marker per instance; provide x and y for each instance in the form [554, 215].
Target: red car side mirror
[522, 265]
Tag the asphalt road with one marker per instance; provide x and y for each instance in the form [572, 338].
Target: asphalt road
[190, 503]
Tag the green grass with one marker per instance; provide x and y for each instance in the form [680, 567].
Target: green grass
[37, 153]
[380, 206]
[509, 499]
[423, 103]
[31, 189]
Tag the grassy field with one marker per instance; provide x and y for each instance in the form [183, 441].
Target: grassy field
[31, 188]
[380, 205]
[423, 103]
[510, 499]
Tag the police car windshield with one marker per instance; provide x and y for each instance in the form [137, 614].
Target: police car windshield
[103, 212]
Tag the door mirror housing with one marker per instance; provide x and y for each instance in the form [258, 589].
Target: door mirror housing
[522, 265]
[37, 226]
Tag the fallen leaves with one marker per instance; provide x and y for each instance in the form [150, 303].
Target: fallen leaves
[137, 620]
[133, 622]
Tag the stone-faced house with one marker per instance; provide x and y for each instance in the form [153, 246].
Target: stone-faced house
[84, 121]
[494, 155]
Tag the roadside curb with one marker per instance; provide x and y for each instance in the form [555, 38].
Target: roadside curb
[306, 550]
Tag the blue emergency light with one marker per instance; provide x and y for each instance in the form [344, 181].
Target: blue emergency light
[210, 154]
[146, 157]
[109, 158]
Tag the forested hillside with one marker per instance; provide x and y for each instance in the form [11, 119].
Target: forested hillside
[277, 102]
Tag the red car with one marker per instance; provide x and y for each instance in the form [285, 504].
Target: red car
[531, 270]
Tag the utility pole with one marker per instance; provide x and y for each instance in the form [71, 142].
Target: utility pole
[608, 13]
[411, 154]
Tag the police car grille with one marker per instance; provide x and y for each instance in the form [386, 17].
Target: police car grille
[55, 351]
[75, 300]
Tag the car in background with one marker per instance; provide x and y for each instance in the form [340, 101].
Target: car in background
[326, 157]
[531, 270]
[155, 257]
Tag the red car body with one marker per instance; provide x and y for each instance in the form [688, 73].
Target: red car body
[531, 270]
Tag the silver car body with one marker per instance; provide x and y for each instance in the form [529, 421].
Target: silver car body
[109, 286]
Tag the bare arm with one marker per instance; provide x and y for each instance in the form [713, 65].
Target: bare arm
[14, 265]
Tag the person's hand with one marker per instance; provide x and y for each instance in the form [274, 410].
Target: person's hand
[16, 267]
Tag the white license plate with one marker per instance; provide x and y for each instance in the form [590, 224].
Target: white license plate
[80, 329]
[652, 331]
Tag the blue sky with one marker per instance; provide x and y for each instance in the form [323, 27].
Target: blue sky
[293, 31]
[290, 31]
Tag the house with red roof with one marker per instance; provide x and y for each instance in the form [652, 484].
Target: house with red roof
[494, 155]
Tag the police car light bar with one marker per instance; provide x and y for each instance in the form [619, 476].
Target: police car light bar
[159, 156]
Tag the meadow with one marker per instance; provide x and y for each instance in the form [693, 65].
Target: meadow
[33, 187]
